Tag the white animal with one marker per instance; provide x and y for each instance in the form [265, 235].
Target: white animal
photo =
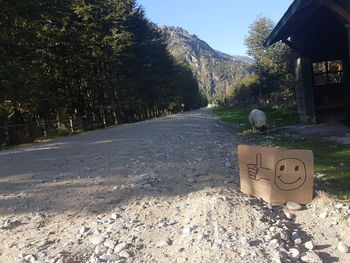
[257, 119]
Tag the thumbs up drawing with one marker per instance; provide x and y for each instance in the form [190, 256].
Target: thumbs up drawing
[253, 169]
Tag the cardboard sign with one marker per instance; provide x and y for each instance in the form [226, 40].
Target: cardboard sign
[276, 175]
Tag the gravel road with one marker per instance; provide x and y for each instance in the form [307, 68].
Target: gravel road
[163, 190]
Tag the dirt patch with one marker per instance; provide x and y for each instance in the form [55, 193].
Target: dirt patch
[330, 131]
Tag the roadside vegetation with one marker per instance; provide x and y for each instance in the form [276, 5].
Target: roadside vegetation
[82, 65]
[270, 87]
[331, 158]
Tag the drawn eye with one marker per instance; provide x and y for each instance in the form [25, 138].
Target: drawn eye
[296, 168]
[282, 168]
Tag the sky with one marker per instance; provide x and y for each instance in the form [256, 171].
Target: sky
[223, 24]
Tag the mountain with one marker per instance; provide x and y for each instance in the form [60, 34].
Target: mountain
[215, 70]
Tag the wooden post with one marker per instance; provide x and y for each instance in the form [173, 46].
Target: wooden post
[103, 117]
[71, 125]
[27, 130]
[115, 115]
[7, 135]
[304, 90]
[44, 128]
[347, 26]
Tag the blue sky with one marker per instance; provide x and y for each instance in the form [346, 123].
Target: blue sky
[223, 24]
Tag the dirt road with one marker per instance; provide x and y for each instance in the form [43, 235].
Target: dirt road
[164, 190]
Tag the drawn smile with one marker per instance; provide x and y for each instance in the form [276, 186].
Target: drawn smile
[279, 178]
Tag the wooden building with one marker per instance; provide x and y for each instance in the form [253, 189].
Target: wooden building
[319, 33]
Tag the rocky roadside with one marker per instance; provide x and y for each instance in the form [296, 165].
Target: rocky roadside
[174, 201]
[219, 224]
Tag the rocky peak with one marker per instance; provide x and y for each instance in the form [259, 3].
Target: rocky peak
[215, 70]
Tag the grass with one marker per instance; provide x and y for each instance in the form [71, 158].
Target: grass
[331, 158]
[239, 117]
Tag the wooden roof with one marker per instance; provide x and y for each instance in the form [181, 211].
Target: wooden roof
[300, 12]
[296, 15]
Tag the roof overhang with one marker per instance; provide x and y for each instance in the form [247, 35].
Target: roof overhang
[292, 20]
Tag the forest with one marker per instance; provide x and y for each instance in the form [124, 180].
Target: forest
[71, 65]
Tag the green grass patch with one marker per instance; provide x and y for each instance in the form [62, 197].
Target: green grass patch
[276, 117]
[331, 158]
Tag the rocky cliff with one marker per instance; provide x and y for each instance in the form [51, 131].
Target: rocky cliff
[215, 70]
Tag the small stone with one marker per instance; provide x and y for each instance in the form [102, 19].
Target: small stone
[120, 247]
[342, 247]
[95, 240]
[245, 242]
[274, 242]
[109, 243]
[187, 230]
[100, 249]
[201, 237]
[295, 235]
[288, 215]
[323, 215]
[309, 245]
[294, 253]
[115, 216]
[164, 243]
[310, 257]
[110, 257]
[83, 230]
[297, 241]
[125, 254]
[284, 236]
[94, 259]
[29, 258]
[293, 206]
[267, 237]
[339, 205]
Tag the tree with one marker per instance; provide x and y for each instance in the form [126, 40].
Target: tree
[273, 65]
[100, 60]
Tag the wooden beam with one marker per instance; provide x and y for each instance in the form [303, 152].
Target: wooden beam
[293, 46]
[347, 26]
[339, 10]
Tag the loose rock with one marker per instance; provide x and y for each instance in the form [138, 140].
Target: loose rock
[95, 240]
[288, 215]
[125, 254]
[164, 243]
[342, 247]
[309, 245]
[110, 243]
[110, 257]
[323, 215]
[294, 253]
[120, 247]
[310, 257]
[83, 230]
[297, 241]
[293, 206]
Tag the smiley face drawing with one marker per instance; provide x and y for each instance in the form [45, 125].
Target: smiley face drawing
[290, 174]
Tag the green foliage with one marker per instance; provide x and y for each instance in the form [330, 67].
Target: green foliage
[101, 59]
[273, 71]
[243, 91]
